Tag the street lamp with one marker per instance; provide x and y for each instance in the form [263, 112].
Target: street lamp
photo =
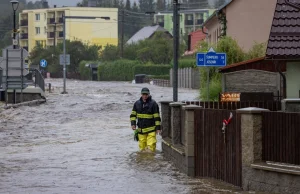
[15, 6]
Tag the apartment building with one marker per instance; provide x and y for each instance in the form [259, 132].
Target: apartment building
[190, 20]
[45, 26]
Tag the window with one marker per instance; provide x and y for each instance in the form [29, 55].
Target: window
[37, 17]
[37, 30]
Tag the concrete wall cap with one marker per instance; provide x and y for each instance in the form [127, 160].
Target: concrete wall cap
[177, 104]
[251, 110]
[191, 107]
[291, 100]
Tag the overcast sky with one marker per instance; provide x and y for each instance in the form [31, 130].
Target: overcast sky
[65, 2]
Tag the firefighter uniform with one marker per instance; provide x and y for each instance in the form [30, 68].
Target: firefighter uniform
[147, 115]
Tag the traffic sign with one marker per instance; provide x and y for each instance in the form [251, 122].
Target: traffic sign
[211, 59]
[62, 59]
[43, 63]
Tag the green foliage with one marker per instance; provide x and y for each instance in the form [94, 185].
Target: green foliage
[125, 70]
[109, 53]
[85, 72]
[77, 50]
[151, 69]
[258, 50]
[215, 88]
[120, 70]
[230, 46]
[165, 77]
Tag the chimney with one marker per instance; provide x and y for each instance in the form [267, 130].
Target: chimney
[92, 3]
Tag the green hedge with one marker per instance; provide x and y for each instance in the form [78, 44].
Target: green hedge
[185, 63]
[85, 72]
[165, 77]
[120, 70]
[124, 70]
[152, 69]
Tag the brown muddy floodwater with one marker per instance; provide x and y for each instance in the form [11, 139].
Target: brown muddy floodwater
[82, 143]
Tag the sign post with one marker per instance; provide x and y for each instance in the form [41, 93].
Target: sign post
[211, 59]
[43, 63]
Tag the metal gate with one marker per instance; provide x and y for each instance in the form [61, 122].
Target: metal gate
[215, 156]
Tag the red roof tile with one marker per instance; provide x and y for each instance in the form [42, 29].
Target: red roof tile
[284, 41]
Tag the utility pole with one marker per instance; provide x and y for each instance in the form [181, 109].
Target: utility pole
[64, 50]
[54, 43]
[176, 49]
[122, 32]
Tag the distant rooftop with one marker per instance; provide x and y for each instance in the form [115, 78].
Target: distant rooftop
[145, 33]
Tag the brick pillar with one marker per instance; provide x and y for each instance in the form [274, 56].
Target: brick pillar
[176, 121]
[165, 118]
[251, 139]
[189, 146]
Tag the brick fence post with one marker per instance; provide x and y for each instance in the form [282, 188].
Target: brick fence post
[251, 140]
[189, 125]
[176, 121]
[165, 118]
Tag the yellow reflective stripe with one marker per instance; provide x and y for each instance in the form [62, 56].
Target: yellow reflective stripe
[157, 123]
[156, 115]
[146, 130]
[133, 112]
[144, 116]
[132, 118]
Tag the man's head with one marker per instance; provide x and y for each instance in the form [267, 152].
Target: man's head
[145, 93]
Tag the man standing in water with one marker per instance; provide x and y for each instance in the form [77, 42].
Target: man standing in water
[146, 111]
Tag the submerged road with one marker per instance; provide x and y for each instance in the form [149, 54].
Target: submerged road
[82, 143]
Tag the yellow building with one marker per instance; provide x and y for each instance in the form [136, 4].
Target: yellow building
[38, 26]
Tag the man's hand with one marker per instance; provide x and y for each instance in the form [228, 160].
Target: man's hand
[158, 132]
[133, 127]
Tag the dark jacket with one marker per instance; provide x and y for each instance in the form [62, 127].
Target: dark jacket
[147, 114]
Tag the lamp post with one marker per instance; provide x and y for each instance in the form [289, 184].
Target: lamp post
[176, 49]
[15, 6]
[64, 44]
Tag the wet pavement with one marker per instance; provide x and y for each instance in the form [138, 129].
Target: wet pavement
[82, 143]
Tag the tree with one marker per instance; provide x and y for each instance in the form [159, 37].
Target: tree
[128, 5]
[161, 5]
[109, 53]
[135, 8]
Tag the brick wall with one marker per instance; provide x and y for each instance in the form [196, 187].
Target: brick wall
[251, 81]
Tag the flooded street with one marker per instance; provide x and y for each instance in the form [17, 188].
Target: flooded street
[82, 143]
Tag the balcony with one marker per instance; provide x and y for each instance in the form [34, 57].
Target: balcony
[51, 34]
[24, 23]
[199, 21]
[24, 36]
[51, 20]
[189, 22]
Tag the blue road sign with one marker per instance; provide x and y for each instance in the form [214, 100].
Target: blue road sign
[43, 63]
[211, 59]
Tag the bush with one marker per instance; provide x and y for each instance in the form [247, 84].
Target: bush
[150, 69]
[85, 72]
[215, 88]
[165, 77]
[120, 70]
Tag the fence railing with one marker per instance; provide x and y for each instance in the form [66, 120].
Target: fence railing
[39, 80]
[271, 105]
[281, 137]
[161, 82]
